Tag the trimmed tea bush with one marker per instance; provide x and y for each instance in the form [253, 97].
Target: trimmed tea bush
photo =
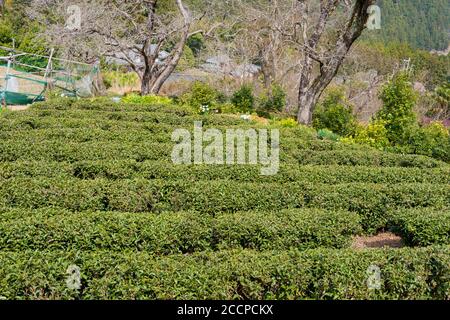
[180, 232]
[129, 169]
[423, 227]
[237, 274]
[370, 201]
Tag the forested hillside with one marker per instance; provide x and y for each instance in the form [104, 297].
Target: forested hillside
[421, 23]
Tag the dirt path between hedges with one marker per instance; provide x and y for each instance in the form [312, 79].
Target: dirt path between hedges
[381, 240]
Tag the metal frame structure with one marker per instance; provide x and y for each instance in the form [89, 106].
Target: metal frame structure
[49, 77]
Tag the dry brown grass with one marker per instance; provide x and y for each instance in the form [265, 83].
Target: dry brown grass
[122, 90]
[175, 88]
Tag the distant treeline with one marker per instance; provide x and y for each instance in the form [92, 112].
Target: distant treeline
[423, 24]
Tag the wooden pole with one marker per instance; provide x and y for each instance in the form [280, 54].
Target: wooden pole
[49, 69]
[49, 64]
[8, 68]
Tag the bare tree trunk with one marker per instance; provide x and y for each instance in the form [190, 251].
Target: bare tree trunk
[267, 77]
[145, 82]
[165, 74]
[152, 78]
[310, 89]
[305, 114]
[99, 85]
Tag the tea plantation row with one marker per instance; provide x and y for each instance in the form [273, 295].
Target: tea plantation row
[188, 232]
[371, 201]
[54, 150]
[129, 169]
[236, 274]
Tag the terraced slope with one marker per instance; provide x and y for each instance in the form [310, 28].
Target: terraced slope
[92, 184]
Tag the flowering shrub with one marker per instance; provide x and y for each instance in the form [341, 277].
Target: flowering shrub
[397, 113]
[285, 123]
[204, 109]
[227, 108]
[150, 99]
[374, 135]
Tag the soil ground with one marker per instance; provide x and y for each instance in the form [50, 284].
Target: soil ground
[381, 240]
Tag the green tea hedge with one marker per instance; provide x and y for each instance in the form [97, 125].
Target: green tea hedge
[236, 274]
[56, 150]
[133, 116]
[422, 227]
[180, 232]
[91, 183]
[371, 201]
[128, 169]
[60, 150]
[106, 104]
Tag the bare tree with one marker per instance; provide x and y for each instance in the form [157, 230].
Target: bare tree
[259, 32]
[353, 16]
[262, 37]
[149, 39]
[308, 39]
